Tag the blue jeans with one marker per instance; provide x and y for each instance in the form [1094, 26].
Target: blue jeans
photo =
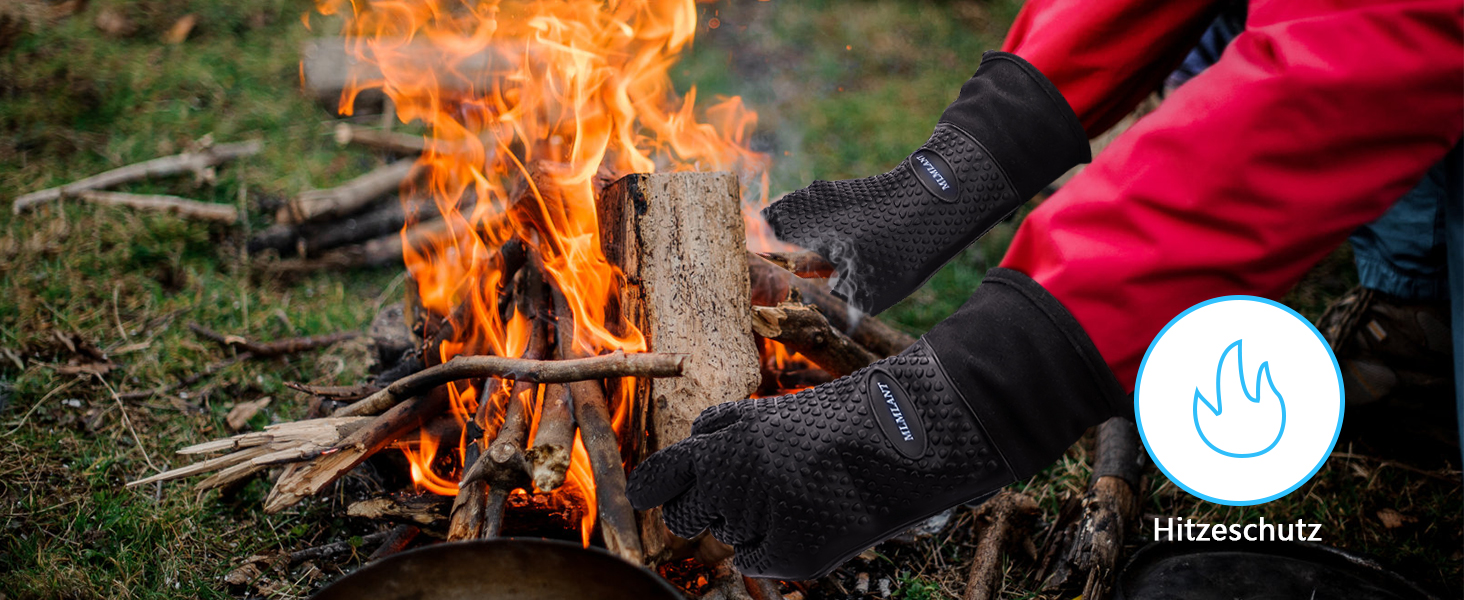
[1416, 251]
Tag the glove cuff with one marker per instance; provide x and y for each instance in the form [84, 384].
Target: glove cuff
[1022, 120]
[1035, 381]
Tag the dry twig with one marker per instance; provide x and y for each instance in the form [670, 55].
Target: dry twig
[188, 162]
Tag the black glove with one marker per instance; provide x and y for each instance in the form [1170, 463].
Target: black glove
[800, 483]
[1006, 136]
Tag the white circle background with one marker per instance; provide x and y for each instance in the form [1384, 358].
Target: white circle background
[1185, 356]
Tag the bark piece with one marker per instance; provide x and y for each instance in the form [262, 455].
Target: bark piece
[197, 162]
[804, 330]
[183, 207]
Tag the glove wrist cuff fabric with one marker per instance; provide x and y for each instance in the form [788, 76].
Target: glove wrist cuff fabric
[1035, 381]
[1019, 116]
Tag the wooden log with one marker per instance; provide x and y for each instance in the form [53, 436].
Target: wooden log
[330, 64]
[400, 143]
[554, 437]
[347, 198]
[1006, 517]
[465, 520]
[426, 510]
[618, 364]
[803, 263]
[183, 207]
[271, 349]
[196, 162]
[804, 330]
[397, 540]
[391, 336]
[1084, 553]
[678, 240]
[773, 285]
[379, 252]
[501, 467]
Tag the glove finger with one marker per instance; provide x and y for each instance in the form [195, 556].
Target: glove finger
[688, 515]
[663, 475]
[717, 417]
[751, 559]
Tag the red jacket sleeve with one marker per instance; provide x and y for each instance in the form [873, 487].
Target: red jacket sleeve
[1315, 121]
[1104, 55]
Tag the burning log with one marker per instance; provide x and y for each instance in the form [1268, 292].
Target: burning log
[1007, 516]
[197, 162]
[615, 365]
[554, 437]
[803, 330]
[805, 264]
[271, 349]
[400, 143]
[773, 285]
[348, 197]
[1085, 552]
[183, 207]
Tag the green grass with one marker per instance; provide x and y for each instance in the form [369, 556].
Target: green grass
[844, 89]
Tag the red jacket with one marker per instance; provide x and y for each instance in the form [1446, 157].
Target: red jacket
[1313, 122]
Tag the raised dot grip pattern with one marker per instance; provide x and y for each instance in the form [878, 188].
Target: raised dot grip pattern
[888, 234]
[799, 483]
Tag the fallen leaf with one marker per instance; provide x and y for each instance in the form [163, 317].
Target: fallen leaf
[238, 417]
[113, 23]
[1393, 519]
[242, 574]
[180, 29]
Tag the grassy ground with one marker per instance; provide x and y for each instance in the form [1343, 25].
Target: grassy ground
[844, 89]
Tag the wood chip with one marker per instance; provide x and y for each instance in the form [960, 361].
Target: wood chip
[238, 417]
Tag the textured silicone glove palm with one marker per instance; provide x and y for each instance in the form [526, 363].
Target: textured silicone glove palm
[1008, 134]
[799, 483]
[796, 482]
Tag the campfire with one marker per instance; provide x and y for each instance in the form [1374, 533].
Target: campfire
[577, 239]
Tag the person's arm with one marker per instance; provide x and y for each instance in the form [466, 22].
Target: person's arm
[1309, 126]
[1105, 57]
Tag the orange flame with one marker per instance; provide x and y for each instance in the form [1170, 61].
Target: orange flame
[528, 104]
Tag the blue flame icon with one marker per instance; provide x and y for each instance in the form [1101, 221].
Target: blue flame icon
[1263, 374]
